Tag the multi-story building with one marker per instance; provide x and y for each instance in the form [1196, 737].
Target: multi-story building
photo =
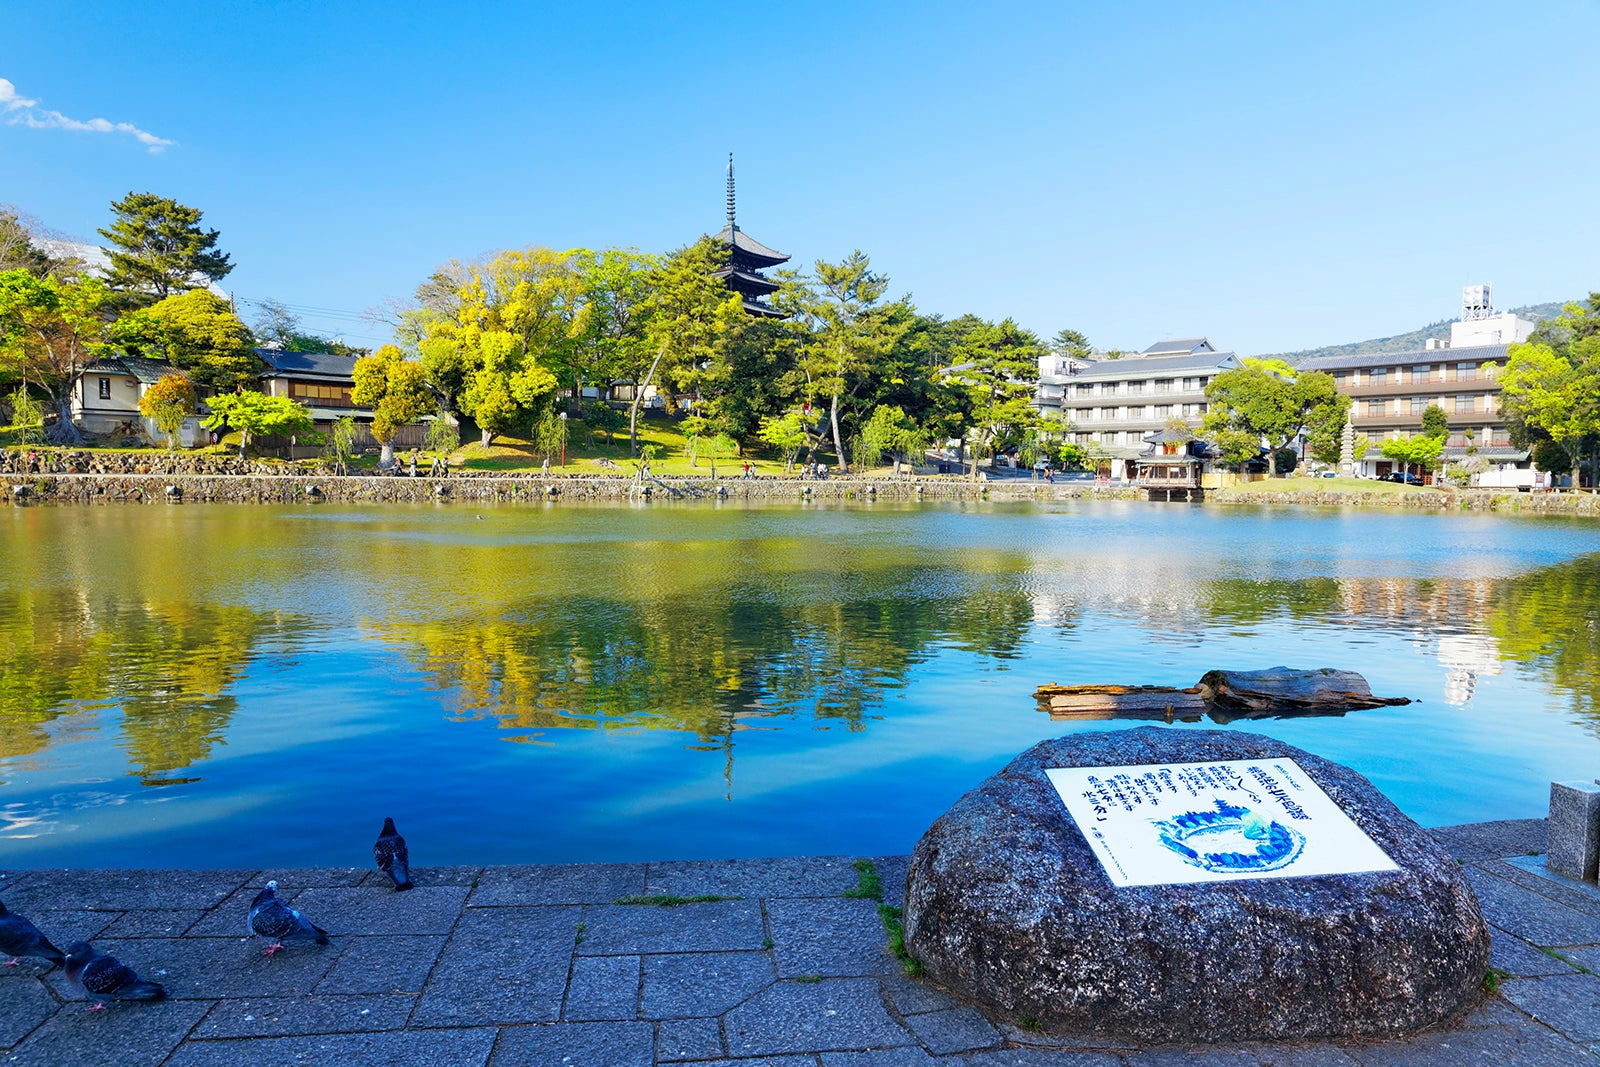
[1389, 391]
[1113, 405]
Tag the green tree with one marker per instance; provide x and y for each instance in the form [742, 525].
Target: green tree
[787, 434]
[1421, 451]
[687, 312]
[600, 417]
[17, 248]
[198, 332]
[396, 389]
[1267, 403]
[50, 330]
[256, 415]
[693, 428]
[1071, 343]
[168, 402]
[1551, 384]
[27, 416]
[890, 430]
[340, 448]
[609, 342]
[444, 436]
[1551, 457]
[1435, 423]
[997, 367]
[157, 248]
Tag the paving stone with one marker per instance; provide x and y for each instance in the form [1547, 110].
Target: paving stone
[208, 967]
[907, 1056]
[1579, 896]
[1016, 1035]
[123, 890]
[836, 1014]
[63, 926]
[829, 936]
[960, 1029]
[1191, 1056]
[1527, 914]
[910, 996]
[892, 871]
[297, 878]
[758, 1061]
[698, 984]
[292, 1016]
[603, 987]
[425, 1048]
[360, 910]
[131, 1033]
[630, 929]
[1511, 953]
[1585, 956]
[1567, 1003]
[1527, 1046]
[1492, 1011]
[464, 877]
[1507, 837]
[25, 1002]
[502, 965]
[162, 922]
[1041, 1057]
[383, 965]
[576, 883]
[1303, 1056]
[796, 876]
[687, 1039]
[577, 1045]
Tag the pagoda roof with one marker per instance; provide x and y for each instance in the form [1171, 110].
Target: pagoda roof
[748, 248]
[756, 307]
[745, 281]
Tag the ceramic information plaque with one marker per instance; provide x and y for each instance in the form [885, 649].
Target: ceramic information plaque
[1161, 824]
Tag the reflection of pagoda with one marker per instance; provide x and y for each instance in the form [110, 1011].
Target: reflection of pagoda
[746, 259]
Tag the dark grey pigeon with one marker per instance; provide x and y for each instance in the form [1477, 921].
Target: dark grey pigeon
[393, 859]
[271, 917]
[103, 977]
[19, 937]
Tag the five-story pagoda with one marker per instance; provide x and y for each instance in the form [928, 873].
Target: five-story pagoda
[747, 257]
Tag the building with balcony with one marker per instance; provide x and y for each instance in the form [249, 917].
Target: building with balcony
[1113, 406]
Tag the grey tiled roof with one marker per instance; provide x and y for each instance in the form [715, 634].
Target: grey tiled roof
[1475, 354]
[1154, 366]
[148, 371]
[1182, 344]
[282, 364]
[751, 247]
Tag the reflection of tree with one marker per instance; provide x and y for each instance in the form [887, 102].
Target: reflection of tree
[1550, 619]
[708, 661]
[166, 665]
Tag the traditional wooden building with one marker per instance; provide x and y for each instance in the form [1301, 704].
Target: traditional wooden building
[747, 258]
[1173, 462]
[106, 395]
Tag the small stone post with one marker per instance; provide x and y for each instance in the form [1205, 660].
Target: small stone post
[1574, 829]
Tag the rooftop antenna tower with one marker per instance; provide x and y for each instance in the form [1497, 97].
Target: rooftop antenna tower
[1474, 298]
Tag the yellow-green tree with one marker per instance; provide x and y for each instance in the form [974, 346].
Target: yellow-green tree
[396, 389]
[50, 330]
[197, 331]
[168, 402]
[515, 317]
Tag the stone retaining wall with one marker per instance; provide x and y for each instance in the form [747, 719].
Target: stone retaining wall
[1461, 500]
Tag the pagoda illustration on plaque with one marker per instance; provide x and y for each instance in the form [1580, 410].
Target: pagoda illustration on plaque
[747, 258]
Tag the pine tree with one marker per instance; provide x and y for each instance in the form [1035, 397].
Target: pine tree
[157, 248]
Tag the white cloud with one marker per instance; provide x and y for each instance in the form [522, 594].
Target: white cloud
[25, 112]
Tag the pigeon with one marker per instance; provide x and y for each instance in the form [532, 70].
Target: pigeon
[271, 917]
[393, 859]
[103, 977]
[19, 937]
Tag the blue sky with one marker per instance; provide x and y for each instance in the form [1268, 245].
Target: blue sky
[1274, 176]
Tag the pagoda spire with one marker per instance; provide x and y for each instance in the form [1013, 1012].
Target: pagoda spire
[731, 225]
[747, 258]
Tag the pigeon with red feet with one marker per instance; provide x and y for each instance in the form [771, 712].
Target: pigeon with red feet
[103, 977]
[272, 918]
[19, 937]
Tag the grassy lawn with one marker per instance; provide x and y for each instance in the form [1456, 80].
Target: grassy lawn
[1365, 486]
[514, 453]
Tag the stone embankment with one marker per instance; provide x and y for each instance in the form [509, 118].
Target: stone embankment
[92, 477]
[1584, 503]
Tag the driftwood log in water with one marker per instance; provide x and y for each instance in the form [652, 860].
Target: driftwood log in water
[1278, 692]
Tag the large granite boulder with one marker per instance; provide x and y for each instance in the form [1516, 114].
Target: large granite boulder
[1008, 903]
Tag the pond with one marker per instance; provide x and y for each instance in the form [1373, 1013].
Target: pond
[255, 686]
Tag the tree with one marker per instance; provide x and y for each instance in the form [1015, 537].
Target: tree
[997, 367]
[786, 433]
[1551, 457]
[50, 330]
[340, 448]
[27, 416]
[609, 343]
[1420, 451]
[256, 414]
[17, 248]
[168, 402]
[601, 417]
[396, 389]
[1551, 384]
[1267, 403]
[157, 248]
[890, 430]
[444, 436]
[1071, 343]
[515, 315]
[687, 312]
[197, 331]
[693, 428]
[1435, 423]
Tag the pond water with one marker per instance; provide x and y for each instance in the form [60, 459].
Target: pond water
[254, 686]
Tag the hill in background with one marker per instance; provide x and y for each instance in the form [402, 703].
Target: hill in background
[1409, 342]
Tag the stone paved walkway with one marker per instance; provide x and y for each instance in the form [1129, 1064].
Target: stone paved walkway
[539, 965]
